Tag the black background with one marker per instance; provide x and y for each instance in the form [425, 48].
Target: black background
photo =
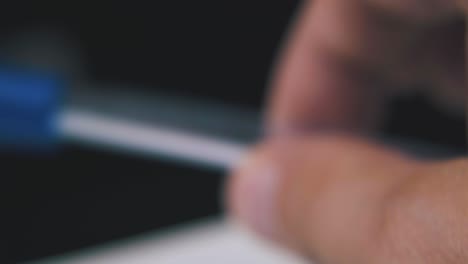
[217, 49]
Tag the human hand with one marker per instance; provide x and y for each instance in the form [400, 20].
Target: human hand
[337, 198]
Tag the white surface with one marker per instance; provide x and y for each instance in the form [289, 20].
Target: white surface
[149, 139]
[215, 242]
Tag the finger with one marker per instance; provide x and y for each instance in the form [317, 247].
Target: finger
[419, 10]
[339, 200]
[331, 72]
[444, 51]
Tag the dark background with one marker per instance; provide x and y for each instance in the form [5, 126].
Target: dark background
[209, 49]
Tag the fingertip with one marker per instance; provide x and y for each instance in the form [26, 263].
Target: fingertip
[252, 193]
[298, 192]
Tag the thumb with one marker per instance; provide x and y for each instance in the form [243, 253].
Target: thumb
[341, 200]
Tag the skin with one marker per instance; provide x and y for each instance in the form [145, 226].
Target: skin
[324, 190]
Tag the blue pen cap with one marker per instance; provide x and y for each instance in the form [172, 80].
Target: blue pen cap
[29, 107]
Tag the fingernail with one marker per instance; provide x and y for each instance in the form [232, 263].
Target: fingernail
[256, 196]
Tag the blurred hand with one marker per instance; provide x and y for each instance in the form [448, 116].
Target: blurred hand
[343, 199]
